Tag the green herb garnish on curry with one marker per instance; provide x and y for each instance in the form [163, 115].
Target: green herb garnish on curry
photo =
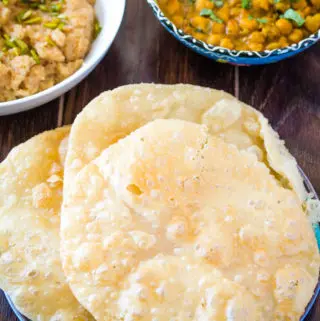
[254, 25]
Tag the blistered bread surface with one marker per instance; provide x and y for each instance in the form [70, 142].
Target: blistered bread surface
[31, 180]
[174, 223]
[115, 114]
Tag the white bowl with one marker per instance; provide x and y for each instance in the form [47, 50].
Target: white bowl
[110, 14]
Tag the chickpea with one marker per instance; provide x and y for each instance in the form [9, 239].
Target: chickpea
[203, 4]
[242, 46]
[173, 7]
[200, 22]
[306, 11]
[261, 4]
[283, 42]
[226, 43]
[271, 32]
[313, 23]
[282, 7]
[257, 37]
[235, 12]
[218, 27]
[284, 26]
[246, 23]
[244, 32]
[299, 5]
[232, 27]
[273, 45]
[178, 21]
[316, 3]
[214, 39]
[296, 35]
[223, 13]
[200, 36]
[255, 46]
[234, 3]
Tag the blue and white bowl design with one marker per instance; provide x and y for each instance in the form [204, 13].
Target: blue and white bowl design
[235, 57]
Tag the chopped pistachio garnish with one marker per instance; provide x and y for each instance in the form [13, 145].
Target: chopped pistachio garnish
[26, 15]
[97, 29]
[8, 42]
[22, 45]
[15, 51]
[50, 42]
[33, 21]
[35, 56]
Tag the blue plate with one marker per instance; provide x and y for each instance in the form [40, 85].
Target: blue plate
[235, 57]
[316, 227]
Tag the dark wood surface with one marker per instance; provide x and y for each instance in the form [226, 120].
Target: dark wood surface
[288, 93]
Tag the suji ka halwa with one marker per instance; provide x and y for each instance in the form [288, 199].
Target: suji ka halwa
[42, 42]
[254, 25]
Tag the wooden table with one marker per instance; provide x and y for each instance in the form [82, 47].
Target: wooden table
[288, 93]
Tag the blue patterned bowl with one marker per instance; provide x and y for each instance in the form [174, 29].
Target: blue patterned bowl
[235, 57]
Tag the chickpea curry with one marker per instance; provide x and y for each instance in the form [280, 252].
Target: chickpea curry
[254, 25]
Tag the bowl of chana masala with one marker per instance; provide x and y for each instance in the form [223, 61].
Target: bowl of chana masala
[242, 31]
[48, 46]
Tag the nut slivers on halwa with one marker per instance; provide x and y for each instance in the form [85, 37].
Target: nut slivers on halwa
[254, 25]
[31, 180]
[42, 42]
[176, 220]
[186, 227]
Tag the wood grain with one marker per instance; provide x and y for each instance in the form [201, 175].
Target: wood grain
[287, 92]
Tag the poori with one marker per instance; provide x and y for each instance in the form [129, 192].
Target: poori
[31, 180]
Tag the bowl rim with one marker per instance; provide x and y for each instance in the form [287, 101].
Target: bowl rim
[51, 93]
[166, 22]
[316, 293]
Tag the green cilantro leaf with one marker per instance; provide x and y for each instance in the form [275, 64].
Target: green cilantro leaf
[210, 14]
[245, 4]
[206, 12]
[262, 20]
[293, 15]
[218, 3]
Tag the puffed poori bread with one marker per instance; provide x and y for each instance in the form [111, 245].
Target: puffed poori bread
[115, 114]
[30, 199]
[173, 223]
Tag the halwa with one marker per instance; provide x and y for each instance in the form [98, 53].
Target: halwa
[254, 25]
[42, 42]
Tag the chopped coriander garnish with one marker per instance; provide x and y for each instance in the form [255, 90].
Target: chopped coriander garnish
[211, 15]
[293, 15]
[246, 4]
[276, 1]
[262, 20]
[218, 3]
